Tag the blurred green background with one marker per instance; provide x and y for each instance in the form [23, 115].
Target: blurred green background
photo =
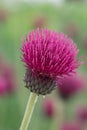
[17, 21]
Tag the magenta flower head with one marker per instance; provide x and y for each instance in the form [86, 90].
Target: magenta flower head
[69, 85]
[72, 126]
[47, 55]
[81, 114]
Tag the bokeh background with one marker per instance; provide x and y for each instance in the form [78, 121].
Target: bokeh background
[17, 19]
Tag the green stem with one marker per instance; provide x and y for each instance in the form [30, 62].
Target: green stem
[29, 110]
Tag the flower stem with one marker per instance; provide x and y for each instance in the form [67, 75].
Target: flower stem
[29, 110]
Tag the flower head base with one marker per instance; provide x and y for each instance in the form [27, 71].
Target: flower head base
[39, 84]
[49, 54]
[69, 85]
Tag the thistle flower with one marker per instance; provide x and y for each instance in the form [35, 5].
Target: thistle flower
[48, 107]
[47, 55]
[81, 114]
[69, 85]
[72, 126]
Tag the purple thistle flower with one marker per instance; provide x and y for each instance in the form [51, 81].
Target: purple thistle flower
[69, 85]
[47, 54]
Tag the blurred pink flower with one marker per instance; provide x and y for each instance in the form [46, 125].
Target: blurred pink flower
[3, 15]
[72, 30]
[72, 126]
[48, 54]
[3, 86]
[69, 85]
[48, 108]
[81, 114]
[7, 78]
[39, 22]
[84, 43]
